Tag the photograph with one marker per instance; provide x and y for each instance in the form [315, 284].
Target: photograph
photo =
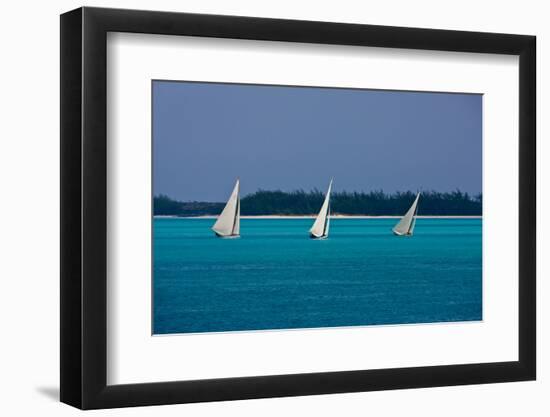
[279, 207]
[282, 204]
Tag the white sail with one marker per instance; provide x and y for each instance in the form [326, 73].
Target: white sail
[237, 225]
[405, 227]
[322, 222]
[228, 223]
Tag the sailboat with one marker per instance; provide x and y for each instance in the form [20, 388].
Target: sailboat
[320, 227]
[405, 227]
[229, 221]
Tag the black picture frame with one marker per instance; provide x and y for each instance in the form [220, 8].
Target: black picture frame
[84, 207]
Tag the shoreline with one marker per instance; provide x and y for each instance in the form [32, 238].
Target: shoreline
[333, 217]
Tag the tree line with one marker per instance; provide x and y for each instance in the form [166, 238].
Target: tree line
[300, 202]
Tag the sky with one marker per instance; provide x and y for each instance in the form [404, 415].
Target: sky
[206, 135]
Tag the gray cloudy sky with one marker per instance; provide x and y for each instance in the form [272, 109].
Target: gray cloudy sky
[205, 135]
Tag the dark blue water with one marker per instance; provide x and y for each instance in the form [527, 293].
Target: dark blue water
[275, 277]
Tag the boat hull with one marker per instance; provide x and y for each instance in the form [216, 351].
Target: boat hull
[401, 234]
[227, 237]
[312, 236]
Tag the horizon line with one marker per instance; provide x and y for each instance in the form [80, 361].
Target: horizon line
[473, 195]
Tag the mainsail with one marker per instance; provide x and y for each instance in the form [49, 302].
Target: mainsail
[405, 227]
[319, 230]
[229, 221]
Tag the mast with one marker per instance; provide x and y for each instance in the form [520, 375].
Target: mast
[228, 222]
[320, 227]
[413, 223]
[405, 227]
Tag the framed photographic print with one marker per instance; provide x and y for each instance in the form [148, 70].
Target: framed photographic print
[257, 208]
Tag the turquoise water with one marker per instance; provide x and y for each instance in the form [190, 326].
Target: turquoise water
[275, 277]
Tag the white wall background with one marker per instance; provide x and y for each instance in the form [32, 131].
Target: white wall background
[29, 213]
